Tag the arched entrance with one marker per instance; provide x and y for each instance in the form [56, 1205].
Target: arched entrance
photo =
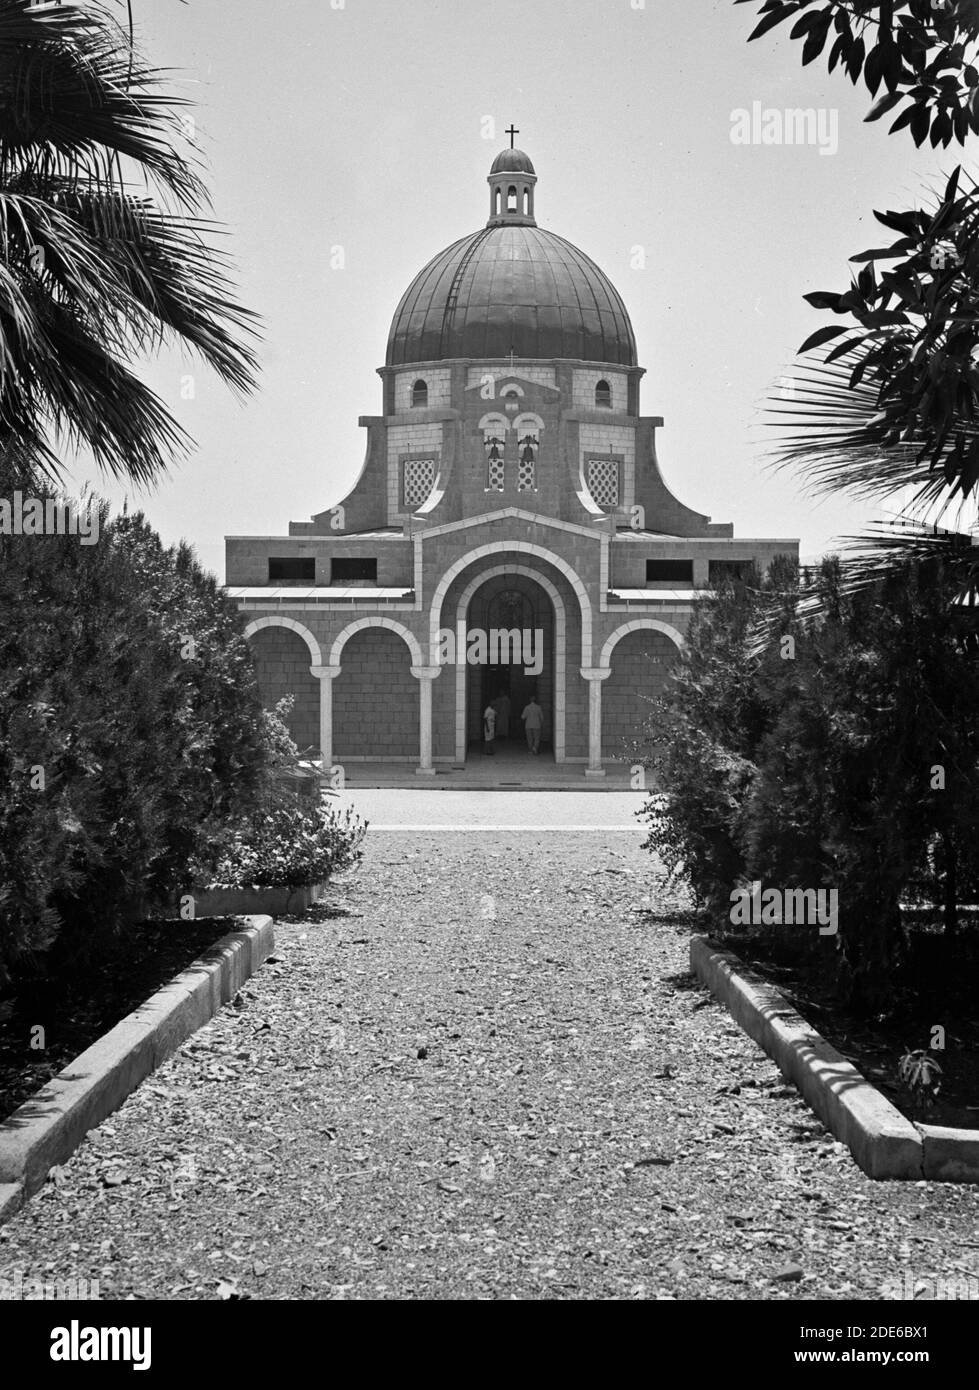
[513, 616]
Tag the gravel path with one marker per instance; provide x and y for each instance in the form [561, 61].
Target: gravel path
[488, 1075]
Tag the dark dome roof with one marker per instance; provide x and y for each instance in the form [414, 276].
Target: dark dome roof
[513, 161]
[511, 288]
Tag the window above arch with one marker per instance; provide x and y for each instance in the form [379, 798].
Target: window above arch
[419, 393]
[603, 396]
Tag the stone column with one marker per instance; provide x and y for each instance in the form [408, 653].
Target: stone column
[425, 675]
[326, 675]
[594, 675]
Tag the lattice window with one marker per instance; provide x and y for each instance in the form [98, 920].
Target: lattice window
[494, 430]
[419, 479]
[495, 472]
[527, 466]
[603, 481]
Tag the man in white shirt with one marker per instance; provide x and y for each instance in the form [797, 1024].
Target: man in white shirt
[533, 721]
[489, 730]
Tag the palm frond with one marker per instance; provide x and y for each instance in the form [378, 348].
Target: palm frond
[93, 274]
[889, 553]
[889, 550]
[74, 97]
[829, 428]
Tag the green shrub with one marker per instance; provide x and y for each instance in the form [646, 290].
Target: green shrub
[287, 847]
[293, 840]
[130, 724]
[837, 758]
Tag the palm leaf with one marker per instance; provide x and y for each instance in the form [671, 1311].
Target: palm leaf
[93, 274]
[830, 432]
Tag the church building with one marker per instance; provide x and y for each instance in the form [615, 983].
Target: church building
[509, 533]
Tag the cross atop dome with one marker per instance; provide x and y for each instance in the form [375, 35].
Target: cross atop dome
[511, 180]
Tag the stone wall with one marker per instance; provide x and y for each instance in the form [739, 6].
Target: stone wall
[585, 383]
[248, 557]
[282, 662]
[375, 699]
[414, 441]
[640, 663]
[437, 379]
[601, 440]
[540, 376]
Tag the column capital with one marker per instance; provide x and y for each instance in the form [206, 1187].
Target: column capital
[425, 673]
[596, 673]
[325, 672]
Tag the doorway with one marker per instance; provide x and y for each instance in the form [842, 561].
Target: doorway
[506, 608]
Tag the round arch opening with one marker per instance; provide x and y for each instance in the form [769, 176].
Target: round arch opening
[640, 663]
[511, 630]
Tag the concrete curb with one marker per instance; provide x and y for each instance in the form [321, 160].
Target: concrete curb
[951, 1155]
[47, 1129]
[884, 1143]
[11, 1200]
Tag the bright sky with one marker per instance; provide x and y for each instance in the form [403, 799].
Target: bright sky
[360, 124]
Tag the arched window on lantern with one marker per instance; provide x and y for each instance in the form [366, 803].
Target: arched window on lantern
[603, 396]
[511, 199]
[419, 393]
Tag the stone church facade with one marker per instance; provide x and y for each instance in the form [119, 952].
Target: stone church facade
[510, 486]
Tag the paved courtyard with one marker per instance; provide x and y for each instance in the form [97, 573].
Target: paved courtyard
[487, 1074]
[510, 766]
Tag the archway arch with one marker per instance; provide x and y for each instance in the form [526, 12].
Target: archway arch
[375, 698]
[511, 547]
[259, 624]
[560, 652]
[638, 657]
[636, 625]
[414, 646]
[281, 649]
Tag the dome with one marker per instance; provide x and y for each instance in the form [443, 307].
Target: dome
[511, 287]
[512, 162]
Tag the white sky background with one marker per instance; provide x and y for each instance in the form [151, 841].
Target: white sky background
[362, 127]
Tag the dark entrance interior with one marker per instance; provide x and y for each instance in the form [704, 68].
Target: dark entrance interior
[508, 603]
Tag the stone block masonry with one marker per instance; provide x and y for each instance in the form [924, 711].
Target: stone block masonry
[437, 379]
[282, 663]
[640, 663]
[375, 699]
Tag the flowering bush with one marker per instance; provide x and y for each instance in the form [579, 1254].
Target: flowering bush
[288, 847]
